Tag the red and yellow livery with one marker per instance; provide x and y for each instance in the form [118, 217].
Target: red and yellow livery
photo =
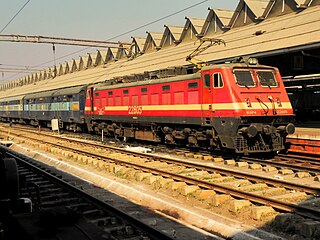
[237, 106]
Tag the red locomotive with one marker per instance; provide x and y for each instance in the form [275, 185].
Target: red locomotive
[241, 106]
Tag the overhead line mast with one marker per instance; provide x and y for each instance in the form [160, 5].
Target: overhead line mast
[62, 41]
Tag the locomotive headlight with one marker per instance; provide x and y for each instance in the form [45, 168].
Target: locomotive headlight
[248, 102]
[252, 61]
[279, 102]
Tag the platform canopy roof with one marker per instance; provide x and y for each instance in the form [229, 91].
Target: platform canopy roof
[153, 41]
[298, 29]
[217, 20]
[171, 35]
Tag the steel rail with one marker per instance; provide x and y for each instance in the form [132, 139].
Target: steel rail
[281, 164]
[270, 181]
[299, 158]
[28, 162]
[288, 207]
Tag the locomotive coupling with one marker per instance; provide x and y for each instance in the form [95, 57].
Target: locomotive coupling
[268, 130]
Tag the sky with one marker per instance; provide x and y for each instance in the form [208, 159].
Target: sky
[96, 20]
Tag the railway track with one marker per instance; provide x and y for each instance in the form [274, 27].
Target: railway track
[295, 162]
[61, 201]
[192, 174]
[281, 161]
[285, 162]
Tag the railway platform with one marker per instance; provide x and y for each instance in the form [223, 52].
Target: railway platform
[306, 139]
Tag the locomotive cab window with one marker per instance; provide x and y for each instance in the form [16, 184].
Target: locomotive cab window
[267, 79]
[244, 78]
[217, 80]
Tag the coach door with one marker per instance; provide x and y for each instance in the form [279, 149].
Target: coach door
[207, 98]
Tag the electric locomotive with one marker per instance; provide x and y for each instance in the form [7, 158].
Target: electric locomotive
[240, 106]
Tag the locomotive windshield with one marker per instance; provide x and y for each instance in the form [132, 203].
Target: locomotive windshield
[244, 78]
[266, 79]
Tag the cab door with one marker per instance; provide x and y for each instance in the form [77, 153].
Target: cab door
[207, 98]
[221, 96]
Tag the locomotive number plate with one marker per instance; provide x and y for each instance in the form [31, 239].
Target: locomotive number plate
[134, 110]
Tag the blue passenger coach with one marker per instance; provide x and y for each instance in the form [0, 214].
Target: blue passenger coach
[11, 108]
[40, 108]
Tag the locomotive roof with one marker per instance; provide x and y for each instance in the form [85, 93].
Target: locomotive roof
[297, 30]
[236, 65]
[107, 85]
[110, 85]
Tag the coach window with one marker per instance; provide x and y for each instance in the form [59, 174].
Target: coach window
[110, 93]
[217, 80]
[126, 91]
[207, 81]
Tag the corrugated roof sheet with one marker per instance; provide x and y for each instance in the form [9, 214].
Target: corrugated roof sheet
[301, 3]
[217, 20]
[258, 7]
[224, 15]
[176, 31]
[279, 34]
[99, 60]
[156, 37]
[111, 54]
[153, 41]
[140, 42]
[197, 23]
[75, 65]
[122, 53]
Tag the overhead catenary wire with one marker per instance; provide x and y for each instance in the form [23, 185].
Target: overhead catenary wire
[117, 36]
[135, 29]
[232, 36]
[14, 16]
